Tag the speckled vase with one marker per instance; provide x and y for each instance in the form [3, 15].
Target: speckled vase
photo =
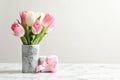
[30, 55]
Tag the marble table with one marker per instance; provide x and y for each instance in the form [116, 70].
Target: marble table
[12, 71]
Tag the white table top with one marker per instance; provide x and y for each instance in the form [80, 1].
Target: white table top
[12, 71]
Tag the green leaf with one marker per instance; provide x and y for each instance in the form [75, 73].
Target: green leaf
[32, 38]
[36, 41]
[39, 36]
[18, 21]
[23, 39]
[39, 18]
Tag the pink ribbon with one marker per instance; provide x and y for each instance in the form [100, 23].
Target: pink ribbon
[47, 65]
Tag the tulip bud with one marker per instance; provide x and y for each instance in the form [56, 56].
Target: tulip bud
[30, 18]
[47, 20]
[51, 27]
[41, 15]
[17, 29]
[23, 16]
[36, 29]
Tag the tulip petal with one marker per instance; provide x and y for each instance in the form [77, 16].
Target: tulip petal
[47, 20]
[17, 29]
[36, 29]
[30, 18]
[51, 27]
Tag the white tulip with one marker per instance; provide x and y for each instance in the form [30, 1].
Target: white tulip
[30, 18]
[41, 15]
[38, 14]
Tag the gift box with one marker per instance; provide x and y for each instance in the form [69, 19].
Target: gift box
[47, 64]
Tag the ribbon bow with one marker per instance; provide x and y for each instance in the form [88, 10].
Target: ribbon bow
[47, 65]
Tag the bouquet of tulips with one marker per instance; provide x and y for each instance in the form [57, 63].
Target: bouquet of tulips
[33, 26]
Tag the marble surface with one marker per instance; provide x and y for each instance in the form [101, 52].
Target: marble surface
[12, 71]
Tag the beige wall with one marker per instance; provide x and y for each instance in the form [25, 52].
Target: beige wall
[88, 31]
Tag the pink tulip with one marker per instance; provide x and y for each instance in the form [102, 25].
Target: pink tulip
[17, 29]
[47, 20]
[23, 16]
[51, 27]
[36, 29]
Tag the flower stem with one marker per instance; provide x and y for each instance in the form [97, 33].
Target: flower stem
[39, 36]
[27, 34]
[23, 39]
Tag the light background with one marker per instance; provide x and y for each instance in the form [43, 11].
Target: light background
[88, 31]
